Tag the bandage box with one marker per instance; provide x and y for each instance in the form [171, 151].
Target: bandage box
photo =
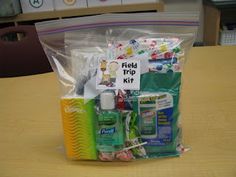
[96, 3]
[69, 4]
[36, 5]
[138, 1]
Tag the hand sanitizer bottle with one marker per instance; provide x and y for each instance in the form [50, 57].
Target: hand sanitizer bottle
[110, 130]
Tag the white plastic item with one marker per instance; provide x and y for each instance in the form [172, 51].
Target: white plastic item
[228, 37]
[96, 3]
[107, 100]
[36, 5]
[69, 4]
[138, 1]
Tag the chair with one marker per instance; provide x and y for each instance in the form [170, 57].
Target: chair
[21, 53]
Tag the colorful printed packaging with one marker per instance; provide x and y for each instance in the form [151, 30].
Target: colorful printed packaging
[120, 76]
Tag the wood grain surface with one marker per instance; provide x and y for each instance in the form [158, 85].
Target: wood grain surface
[31, 139]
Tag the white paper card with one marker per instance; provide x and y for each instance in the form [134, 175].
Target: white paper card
[118, 74]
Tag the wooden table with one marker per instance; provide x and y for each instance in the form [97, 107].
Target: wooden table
[31, 140]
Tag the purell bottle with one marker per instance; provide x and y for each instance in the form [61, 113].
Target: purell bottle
[110, 130]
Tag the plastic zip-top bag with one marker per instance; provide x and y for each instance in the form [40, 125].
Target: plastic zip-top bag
[120, 78]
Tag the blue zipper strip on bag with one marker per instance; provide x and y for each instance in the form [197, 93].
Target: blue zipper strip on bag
[120, 23]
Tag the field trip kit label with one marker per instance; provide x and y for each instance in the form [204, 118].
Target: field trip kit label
[118, 74]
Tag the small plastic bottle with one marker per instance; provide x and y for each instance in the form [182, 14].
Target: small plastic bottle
[110, 130]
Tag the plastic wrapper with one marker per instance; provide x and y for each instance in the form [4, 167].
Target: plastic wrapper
[120, 78]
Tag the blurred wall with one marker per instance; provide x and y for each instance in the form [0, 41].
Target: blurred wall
[187, 5]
